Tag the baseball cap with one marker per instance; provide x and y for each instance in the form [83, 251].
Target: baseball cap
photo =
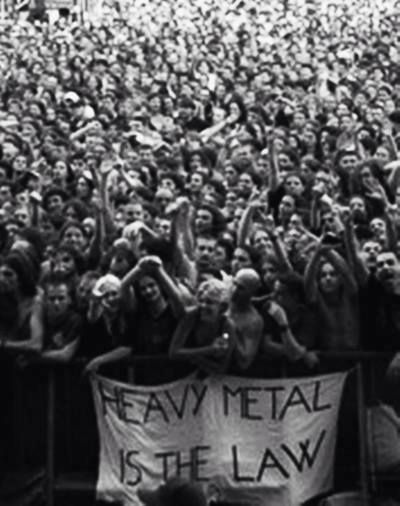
[72, 96]
[175, 492]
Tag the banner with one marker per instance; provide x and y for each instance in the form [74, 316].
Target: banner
[262, 441]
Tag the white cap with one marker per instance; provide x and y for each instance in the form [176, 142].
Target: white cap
[71, 95]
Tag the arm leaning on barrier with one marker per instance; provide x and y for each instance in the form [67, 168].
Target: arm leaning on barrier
[64, 354]
[108, 358]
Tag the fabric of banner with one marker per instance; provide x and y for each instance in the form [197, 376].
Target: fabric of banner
[244, 439]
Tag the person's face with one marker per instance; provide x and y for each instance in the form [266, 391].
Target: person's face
[9, 275]
[59, 171]
[70, 214]
[203, 221]
[204, 252]
[330, 103]
[149, 289]
[284, 162]
[240, 260]
[77, 166]
[262, 242]
[28, 132]
[221, 258]
[20, 164]
[245, 185]
[386, 267]
[348, 162]
[74, 237]
[111, 300]
[58, 301]
[299, 119]
[378, 228]
[196, 183]
[146, 155]
[163, 228]
[133, 212]
[82, 188]
[291, 239]
[234, 109]
[163, 198]
[185, 113]
[83, 292]
[357, 208]
[294, 186]
[5, 194]
[231, 175]
[10, 151]
[209, 306]
[22, 215]
[119, 221]
[55, 204]
[64, 264]
[286, 207]
[328, 279]
[370, 252]
[382, 154]
[155, 105]
[269, 274]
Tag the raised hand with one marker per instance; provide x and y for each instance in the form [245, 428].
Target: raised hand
[150, 263]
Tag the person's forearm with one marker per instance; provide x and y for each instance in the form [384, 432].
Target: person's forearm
[359, 268]
[130, 278]
[29, 345]
[274, 164]
[392, 146]
[273, 348]
[315, 216]
[391, 231]
[281, 254]
[185, 232]
[310, 276]
[203, 351]
[106, 217]
[79, 133]
[209, 132]
[97, 244]
[64, 355]
[172, 292]
[112, 356]
[293, 349]
[244, 227]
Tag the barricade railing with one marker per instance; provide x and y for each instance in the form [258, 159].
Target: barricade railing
[362, 364]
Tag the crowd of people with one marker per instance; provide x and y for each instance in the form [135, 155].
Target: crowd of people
[206, 180]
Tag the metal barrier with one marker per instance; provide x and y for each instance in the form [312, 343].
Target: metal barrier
[365, 368]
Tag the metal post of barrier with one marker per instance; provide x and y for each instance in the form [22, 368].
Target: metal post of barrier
[362, 430]
[51, 386]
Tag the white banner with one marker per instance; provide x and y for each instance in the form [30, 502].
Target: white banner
[261, 440]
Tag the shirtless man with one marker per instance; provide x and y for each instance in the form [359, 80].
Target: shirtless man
[247, 320]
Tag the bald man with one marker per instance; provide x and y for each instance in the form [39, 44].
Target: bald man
[247, 320]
